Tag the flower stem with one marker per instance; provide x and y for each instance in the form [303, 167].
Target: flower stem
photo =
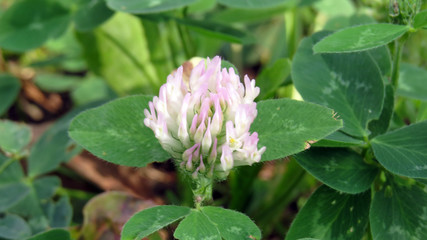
[202, 191]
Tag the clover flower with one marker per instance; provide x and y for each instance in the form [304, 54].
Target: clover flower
[202, 118]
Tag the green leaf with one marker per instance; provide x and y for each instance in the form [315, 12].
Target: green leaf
[360, 38]
[30, 209]
[117, 51]
[217, 30]
[420, 19]
[329, 214]
[14, 137]
[28, 24]
[152, 219]
[226, 64]
[116, 133]
[381, 125]
[90, 90]
[332, 8]
[403, 151]
[9, 89]
[52, 234]
[232, 225]
[11, 194]
[56, 82]
[272, 77]
[147, 6]
[399, 212]
[286, 126]
[12, 170]
[344, 21]
[197, 226]
[412, 82]
[339, 168]
[91, 14]
[251, 3]
[54, 146]
[338, 139]
[13, 227]
[46, 186]
[235, 15]
[337, 81]
[422, 112]
[60, 213]
[381, 55]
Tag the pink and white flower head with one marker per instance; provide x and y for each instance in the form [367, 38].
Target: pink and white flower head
[202, 118]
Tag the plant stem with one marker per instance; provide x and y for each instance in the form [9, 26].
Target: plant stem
[396, 64]
[202, 190]
[184, 40]
[398, 46]
[291, 28]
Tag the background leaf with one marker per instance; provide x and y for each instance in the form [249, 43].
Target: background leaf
[112, 207]
[56, 82]
[251, 3]
[360, 38]
[152, 219]
[285, 126]
[147, 6]
[52, 234]
[28, 24]
[9, 89]
[197, 226]
[116, 133]
[403, 151]
[420, 19]
[11, 194]
[341, 169]
[91, 14]
[337, 81]
[399, 212]
[14, 137]
[412, 82]
[60, 213]
[13, 227]
[218, 30]
[232, 225]
[54, 146]
[117, 51]
[46, 186]
[329, 214]
[272, 77]
[12, 170]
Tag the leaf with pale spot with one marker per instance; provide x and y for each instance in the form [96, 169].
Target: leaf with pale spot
[232, 225]
[329, 214]
[287, 126]
[399, 211]
[360, 38]
[338, 82]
